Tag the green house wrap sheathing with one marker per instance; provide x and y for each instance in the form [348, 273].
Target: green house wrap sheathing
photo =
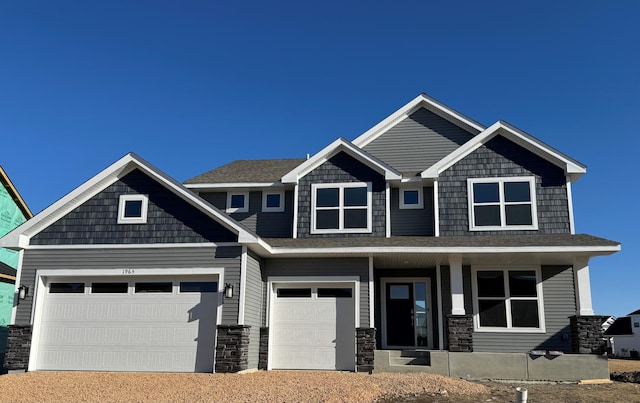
[10, 217]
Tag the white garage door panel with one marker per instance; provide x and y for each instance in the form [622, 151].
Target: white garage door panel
[312, 332]
[170, 332]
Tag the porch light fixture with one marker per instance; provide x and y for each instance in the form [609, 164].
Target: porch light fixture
[23, 291]
[228, 290]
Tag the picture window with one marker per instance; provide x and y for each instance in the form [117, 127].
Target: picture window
[272, 201]
[237, 202]
[132, 209]
[411, 199]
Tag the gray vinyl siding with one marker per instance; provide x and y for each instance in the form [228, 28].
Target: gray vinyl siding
[559, 305]
[500, 157]
[265, 224]
[419, 141]
[342, 168]
[414, 222]
[313, 268]
[170, 219]
[254, 308]
[134, 258]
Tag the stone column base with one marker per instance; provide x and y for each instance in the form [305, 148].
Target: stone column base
[460, 333]
[365, 346]
[16, 357]
[232, 350]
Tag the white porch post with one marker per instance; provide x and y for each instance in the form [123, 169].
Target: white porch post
[457, 289]
[583, 286]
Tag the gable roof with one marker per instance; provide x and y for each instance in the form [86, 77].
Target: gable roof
[634, 313]
[13, 192]
[19, 237]
[572, 168]
[620, 327]
[421, 101]
[245, 172]
[334, 148]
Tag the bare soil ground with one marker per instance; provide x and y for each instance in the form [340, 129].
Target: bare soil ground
[299, 386]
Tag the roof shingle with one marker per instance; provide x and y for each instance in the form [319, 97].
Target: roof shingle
[248, 171]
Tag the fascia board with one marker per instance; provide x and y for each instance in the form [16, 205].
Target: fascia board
[421, 100]
[593, 250]
[326, 153]
[525, 140]
[232, 185]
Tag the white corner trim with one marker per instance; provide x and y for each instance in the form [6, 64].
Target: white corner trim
[436, 209]
[372, 322]
[243, 286]
[572, 226]
[295, 212]
[387, 195]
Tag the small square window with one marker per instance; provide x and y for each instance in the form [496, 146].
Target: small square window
[411, 199]
[273, 201]
[132, 209]
[237, 202]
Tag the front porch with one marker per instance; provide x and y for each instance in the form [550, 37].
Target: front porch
[502, 366]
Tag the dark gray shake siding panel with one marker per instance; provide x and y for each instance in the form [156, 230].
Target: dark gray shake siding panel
[138, 258]
[342, 168]
[169, 219]
[418, 142]
[559, 304]
[325, 267]
[500, 157]
[254, 309]
[416, 222]
[266, 224]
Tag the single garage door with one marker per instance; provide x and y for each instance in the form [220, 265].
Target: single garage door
[132, 324]
[313, 326]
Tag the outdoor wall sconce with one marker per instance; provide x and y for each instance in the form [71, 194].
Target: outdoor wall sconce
[23, 291]
[228, 291]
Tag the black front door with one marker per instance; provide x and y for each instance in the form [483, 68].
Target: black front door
[399, 306]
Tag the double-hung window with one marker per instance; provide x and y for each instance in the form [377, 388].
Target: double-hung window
[341, 207]
[508, 299]
[502, 204]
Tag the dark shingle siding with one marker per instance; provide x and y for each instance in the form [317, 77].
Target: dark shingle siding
[342, 168]
[500, 157]
[412, 221]
[248, 171]
[170, 219]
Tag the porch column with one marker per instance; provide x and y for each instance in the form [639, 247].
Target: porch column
[583, 286]
[457, 289]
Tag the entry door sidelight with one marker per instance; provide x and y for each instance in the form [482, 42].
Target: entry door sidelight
[400, 314]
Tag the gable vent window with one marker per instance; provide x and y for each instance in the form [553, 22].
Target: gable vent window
[272, 201]
[344, 207]
[502, 204]
[411, 199]
[132, 209]
[237, 202]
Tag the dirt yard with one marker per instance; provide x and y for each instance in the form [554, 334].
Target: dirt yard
[299, 386]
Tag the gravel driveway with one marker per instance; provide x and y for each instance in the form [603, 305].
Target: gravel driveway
[260, 386]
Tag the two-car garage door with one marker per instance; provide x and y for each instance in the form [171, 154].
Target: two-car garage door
[130, 324]
[313, 326]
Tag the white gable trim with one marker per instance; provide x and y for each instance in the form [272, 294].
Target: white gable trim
[334, 148]
[571, 167]
[421, 101]
[20, 236]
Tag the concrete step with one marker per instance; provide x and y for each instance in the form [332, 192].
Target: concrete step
[409, 361]
[410, 353]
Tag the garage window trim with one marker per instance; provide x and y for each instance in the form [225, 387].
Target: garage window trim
[109, 288]
[66, 288]
[133, 208]
[198, 286]
[293, 293]
[154, 287]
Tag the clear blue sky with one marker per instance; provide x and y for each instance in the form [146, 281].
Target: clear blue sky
[193, 85]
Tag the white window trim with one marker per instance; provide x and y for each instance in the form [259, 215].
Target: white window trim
[509, 328]
[278, 209]
[403, 206]
[143, 212]
[244, 208]
[501, 181]
[341, 208]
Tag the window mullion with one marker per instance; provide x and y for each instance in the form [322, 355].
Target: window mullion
[507, 295]
[341, 208]
[503, 213]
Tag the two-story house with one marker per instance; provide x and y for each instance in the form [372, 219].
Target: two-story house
[430, 239]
